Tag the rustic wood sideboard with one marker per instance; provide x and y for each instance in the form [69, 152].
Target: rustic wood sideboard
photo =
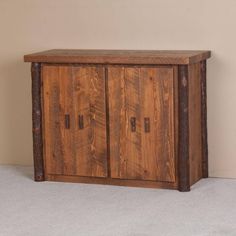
[120, 117]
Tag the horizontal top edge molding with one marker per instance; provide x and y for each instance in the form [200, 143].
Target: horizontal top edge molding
[148, 57]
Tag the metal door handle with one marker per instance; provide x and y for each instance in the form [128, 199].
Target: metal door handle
[147, 124]
[81, 121]
[133, 124]
[67, 121]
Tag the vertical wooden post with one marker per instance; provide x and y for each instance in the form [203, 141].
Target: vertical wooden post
[204, 120]
[183, 154]
[37, 122]
[107, 123]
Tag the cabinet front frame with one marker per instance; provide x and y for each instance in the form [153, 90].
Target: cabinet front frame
[108, 180]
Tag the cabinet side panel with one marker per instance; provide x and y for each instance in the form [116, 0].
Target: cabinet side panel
[90, 126]
[195, 142]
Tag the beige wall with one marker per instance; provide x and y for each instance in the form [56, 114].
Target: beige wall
[28, 26]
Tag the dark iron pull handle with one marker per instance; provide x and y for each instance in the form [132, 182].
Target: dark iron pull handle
[133, 124]
[67, 121]
[147, 125]
[81, 121]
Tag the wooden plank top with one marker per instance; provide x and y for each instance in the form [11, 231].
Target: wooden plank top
[148, 57]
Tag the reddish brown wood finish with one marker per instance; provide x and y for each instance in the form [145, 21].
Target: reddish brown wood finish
[90, 141]
[118, 56]
[110, 181]
[75, 92]
[138, 122]
[142, 93]
[195, 132]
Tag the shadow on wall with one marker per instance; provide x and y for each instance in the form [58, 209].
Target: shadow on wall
[16, 116]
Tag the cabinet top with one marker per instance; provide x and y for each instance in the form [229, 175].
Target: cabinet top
[118, 56]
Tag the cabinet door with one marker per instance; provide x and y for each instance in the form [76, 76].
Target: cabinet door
[141, 115]
[74, 120]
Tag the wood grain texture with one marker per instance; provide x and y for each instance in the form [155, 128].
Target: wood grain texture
[195, 129]
[57, 103]
[118, 56]
[121, 117]
[89, 101]
[176, 123]
[141, 93]
[37, 122]
[110, 181]
[204, 120]
[107, 123]
[74, 91]
[183, 139]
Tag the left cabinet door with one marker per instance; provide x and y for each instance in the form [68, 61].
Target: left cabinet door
[74, 120]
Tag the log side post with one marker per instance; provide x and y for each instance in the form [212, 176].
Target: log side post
[204, 120]
[183, 153]
[37, 122]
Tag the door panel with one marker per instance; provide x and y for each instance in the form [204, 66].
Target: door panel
[78, 147]
[57, 104]
[90, 131]
[144, 95]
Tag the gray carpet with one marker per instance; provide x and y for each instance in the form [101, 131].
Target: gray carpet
[66, 209]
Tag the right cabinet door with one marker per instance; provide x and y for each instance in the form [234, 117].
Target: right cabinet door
[142, 123]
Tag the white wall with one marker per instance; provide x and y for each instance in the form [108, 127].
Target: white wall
[28, 26]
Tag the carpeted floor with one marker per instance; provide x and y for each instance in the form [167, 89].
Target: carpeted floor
[65, 209]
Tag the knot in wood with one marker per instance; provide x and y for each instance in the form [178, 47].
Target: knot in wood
[38, 112]
[184, 81]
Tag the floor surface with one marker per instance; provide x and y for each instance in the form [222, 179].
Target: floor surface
[28, 208]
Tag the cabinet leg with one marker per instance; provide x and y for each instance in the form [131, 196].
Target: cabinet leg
[37, 122]
[204, 120]
[183, 153]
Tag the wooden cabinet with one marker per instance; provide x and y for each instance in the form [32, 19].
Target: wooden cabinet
[133, 118]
